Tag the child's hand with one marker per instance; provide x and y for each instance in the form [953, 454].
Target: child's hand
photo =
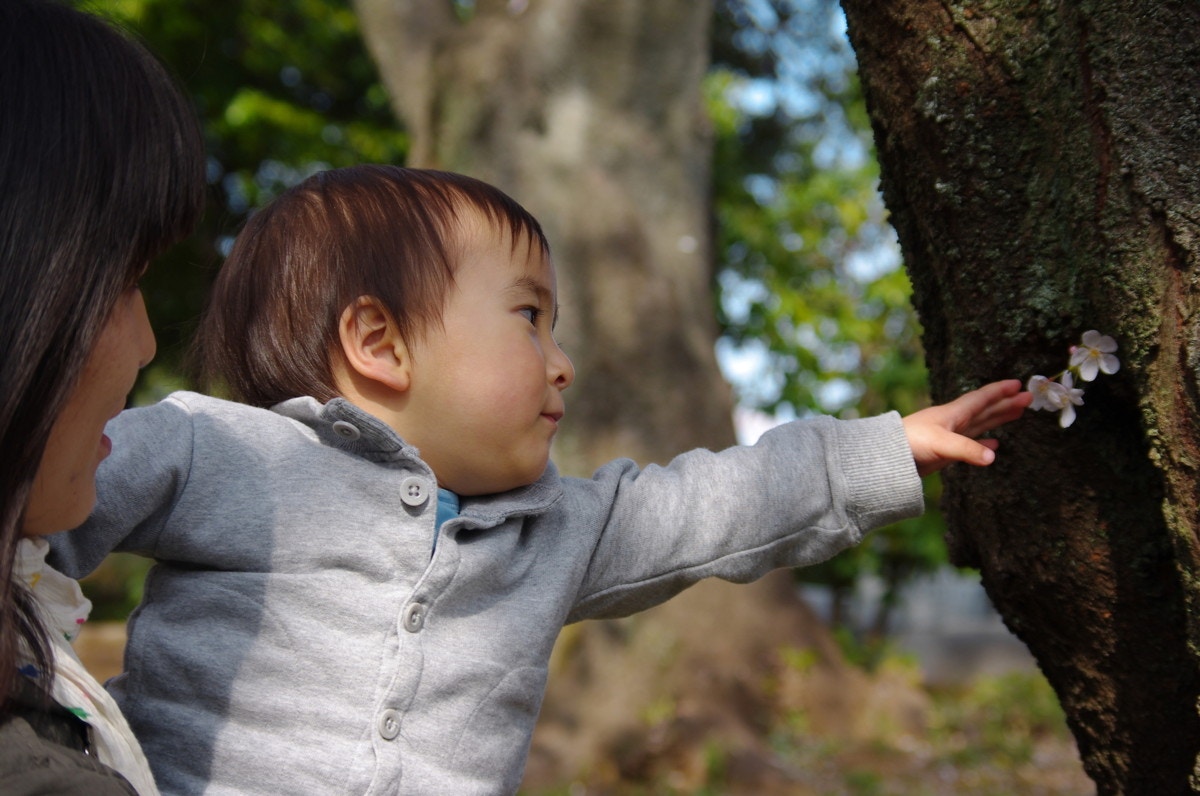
[945, 433]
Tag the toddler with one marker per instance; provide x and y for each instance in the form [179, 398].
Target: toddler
[362, 565]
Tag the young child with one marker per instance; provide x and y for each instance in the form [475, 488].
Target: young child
[363, 565]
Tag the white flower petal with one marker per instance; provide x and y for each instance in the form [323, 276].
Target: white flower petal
[1088, 368]
[1067, 417]
[1109, 364]
[1056, 395]
[1100, 342]
[1037, 386]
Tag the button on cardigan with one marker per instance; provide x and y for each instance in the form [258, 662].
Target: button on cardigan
[296, 633]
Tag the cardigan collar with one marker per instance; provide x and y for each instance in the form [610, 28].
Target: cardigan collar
[342, 425]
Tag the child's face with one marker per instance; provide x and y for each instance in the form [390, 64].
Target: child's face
[485, 398]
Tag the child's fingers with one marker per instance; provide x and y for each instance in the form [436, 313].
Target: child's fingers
[988, 407]
[948, 447]
[946, 433]
[997, 414]
[979, 401]
[965, 449]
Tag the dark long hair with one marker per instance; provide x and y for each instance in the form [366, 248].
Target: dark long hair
[271, 328]
[101, 168]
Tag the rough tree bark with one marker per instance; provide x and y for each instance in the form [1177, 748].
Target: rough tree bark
[1041, 161]
[589, 112]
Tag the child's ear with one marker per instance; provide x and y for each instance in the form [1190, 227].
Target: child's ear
[372, 346]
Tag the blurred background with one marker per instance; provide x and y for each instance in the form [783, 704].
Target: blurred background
[706, 174]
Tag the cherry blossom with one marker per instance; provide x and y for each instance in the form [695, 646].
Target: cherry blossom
[1094, 355]
[1071, 397]
[1048, 395]
[1087, 360]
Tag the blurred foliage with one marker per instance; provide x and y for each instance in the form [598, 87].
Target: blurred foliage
[811, 289]
[115, 589]
[808, 286]
[1001, 717]
[284, 88]
[870, 653]
[808, 264]
[998, 735]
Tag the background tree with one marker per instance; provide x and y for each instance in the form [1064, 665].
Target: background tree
[591, 114]
[1040, 164]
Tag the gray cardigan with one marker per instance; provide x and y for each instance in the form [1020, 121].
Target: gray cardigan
[297, 634]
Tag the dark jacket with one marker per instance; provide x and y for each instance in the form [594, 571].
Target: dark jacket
[44, 750]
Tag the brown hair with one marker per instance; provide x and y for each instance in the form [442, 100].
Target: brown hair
[271, 328]
[101, 169]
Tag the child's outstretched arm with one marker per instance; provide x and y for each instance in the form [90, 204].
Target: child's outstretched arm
[946, 433]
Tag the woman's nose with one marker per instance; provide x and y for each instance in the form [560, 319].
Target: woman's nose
[144, 334]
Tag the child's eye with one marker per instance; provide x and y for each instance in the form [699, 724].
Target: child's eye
[531, 314]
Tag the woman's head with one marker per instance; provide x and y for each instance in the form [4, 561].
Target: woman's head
[396, 234]
[101, 168]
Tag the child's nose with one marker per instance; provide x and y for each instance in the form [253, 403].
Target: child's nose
[561, 371]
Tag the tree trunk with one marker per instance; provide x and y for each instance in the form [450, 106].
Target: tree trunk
[590, 113]
[1040, 164]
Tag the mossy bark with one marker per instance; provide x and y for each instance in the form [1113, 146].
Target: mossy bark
[1041, 162]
